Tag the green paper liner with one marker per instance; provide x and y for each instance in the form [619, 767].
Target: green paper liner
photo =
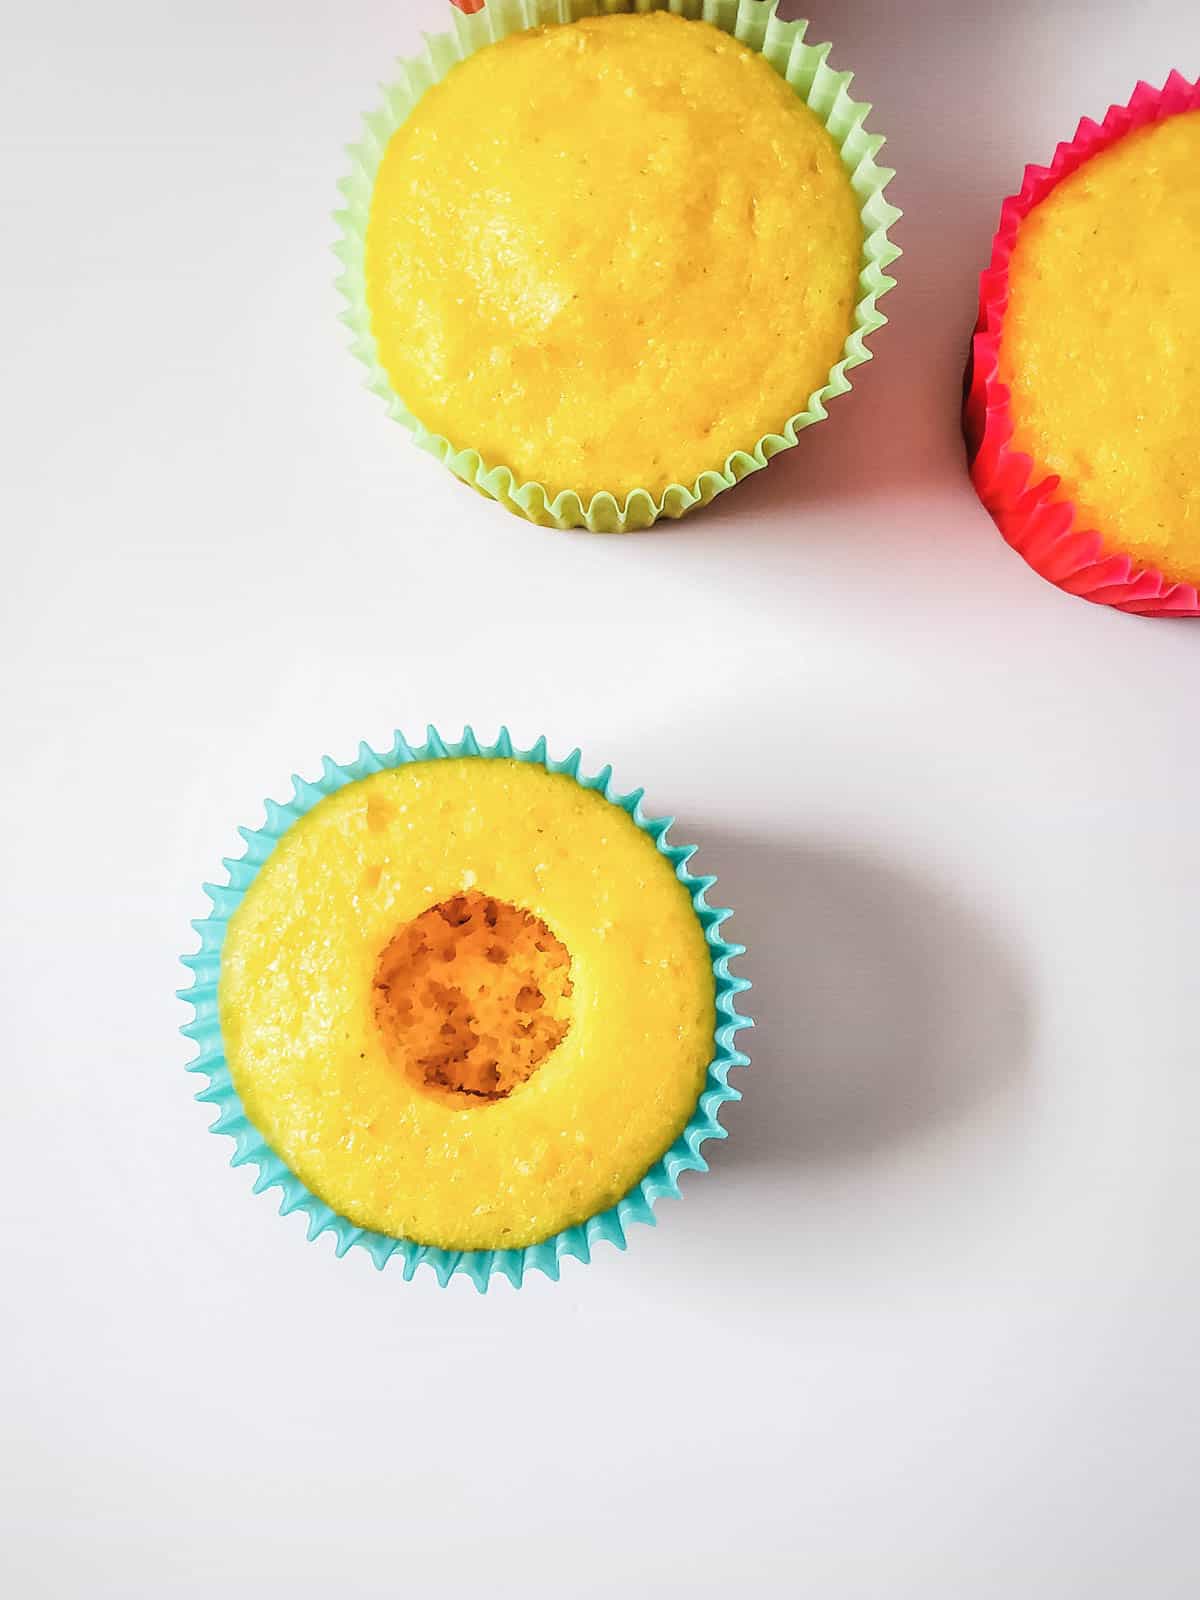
[480, 1266]
[826, 92]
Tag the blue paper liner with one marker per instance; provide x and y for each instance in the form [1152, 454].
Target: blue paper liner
[250, 1148]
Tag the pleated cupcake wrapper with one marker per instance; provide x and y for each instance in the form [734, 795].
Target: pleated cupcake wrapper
[251, 1148]
[1046, 531]
[825, 91]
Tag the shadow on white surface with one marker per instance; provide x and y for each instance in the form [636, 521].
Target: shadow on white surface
[884, 1007]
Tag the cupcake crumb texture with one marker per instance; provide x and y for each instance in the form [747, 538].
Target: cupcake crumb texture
[471, 996]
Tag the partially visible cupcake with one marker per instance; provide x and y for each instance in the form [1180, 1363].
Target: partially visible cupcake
[469, 1006]
[1084, 389]
[610, 266]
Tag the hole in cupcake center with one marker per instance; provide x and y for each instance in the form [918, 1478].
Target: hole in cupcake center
[472, 996]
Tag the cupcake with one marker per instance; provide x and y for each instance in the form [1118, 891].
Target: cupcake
[464, 1005]
[1081, 404]
[607, 267]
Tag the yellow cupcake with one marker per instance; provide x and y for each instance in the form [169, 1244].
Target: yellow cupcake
[467, 1002]
[610, 254]
[1099, 339]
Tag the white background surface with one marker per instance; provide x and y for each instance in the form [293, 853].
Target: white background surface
[930, 1327]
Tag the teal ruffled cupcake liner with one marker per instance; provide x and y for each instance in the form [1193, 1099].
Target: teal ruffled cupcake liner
[250, 1148]
[827, 94]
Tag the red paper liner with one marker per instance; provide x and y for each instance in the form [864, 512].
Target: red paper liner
[1042, 530]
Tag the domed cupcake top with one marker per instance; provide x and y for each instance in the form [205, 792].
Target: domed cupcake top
[1098, 344]
[611, 253]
